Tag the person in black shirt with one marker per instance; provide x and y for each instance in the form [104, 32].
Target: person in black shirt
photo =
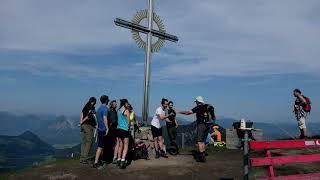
[87, 123]
[172, 126]
[205, 119]
[110, 139]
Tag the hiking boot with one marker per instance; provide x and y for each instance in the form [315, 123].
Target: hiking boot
[118, 162]
[128, 162]
[115, 161]
[84, 162]
[157, 155]
[123, 165]
[96, 165]
[201, 157]
[163, 154]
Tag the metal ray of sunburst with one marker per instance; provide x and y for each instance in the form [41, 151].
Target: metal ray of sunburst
[140, 16]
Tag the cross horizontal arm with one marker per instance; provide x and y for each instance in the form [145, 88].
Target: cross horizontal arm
[143, 29]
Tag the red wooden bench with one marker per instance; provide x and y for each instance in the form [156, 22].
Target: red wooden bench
[269, 161]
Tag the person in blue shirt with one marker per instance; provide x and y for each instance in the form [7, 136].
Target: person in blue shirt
[122, 133]
[103, 128]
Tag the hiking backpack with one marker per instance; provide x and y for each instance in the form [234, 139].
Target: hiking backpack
[208, 114]
[141, 151]
[307, 106]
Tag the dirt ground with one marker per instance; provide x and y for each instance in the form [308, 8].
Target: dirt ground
[220, 165]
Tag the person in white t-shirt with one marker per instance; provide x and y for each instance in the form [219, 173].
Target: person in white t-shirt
[156, 128]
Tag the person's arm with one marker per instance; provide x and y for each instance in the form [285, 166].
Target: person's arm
[175, 119]
[302, 100]
[105, 121]
[82, 120]
[185, 112]
[136, 119]
[163, 116]
[127, 113]
[81, 117]
[212, 140]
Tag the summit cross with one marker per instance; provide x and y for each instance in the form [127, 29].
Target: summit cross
[148, 46]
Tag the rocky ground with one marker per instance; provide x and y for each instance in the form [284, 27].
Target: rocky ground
[220, 165]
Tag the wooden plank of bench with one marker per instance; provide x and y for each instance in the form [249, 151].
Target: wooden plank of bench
[284, 144]
[267, 161]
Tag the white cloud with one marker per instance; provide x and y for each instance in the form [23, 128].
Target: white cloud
[65, 69]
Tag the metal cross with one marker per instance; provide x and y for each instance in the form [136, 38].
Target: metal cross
[150, 32]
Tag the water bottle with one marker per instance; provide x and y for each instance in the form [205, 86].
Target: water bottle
[242, 123]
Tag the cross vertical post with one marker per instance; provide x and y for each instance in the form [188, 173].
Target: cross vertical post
[145, 108]
[148, 46]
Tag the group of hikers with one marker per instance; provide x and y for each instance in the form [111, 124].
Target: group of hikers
[115, 127]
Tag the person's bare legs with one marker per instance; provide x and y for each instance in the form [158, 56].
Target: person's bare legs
[160, 139]
[120, 149]
[98, 154]
[116, 148]
[156, 145]
[125, 148]
[202, 147]
[305, 132]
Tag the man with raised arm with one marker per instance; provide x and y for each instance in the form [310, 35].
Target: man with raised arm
[205, 119]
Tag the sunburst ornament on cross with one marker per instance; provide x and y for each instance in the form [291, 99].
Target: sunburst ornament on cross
[147, 45]
[137, 19]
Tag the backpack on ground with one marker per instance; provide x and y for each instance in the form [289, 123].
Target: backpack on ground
[141, 151]
[307, 106]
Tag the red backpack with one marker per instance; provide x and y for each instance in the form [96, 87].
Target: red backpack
[307, 107]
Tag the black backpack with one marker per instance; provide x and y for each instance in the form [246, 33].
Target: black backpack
[113, 119]
[208, 114]
[141, 151]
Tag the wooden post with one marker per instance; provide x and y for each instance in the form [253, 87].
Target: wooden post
[270, 168]
[245, 156]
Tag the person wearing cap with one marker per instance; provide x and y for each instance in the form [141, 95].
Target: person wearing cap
[103, 128]
[205, 119]
[87, 125]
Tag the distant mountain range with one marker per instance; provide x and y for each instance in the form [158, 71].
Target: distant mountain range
[65, 130]
[53, 130]
[23, 150]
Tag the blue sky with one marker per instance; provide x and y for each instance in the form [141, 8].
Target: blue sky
[243, 57]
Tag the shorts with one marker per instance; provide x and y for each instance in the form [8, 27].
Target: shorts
[302, 123]
[122, 134]
[202, 132]
[101, 138]
[156, 132]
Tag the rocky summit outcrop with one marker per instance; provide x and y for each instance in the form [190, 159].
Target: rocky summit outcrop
[145, 136]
